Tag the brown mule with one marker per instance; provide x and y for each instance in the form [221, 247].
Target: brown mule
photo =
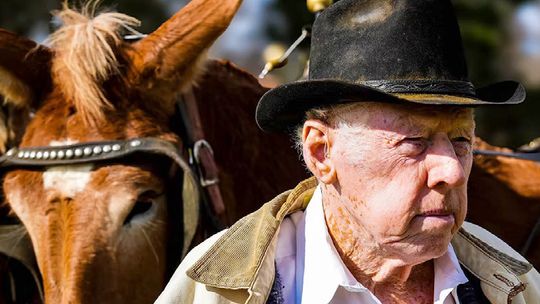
[102, 231]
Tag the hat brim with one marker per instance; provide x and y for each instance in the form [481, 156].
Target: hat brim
[284, 107]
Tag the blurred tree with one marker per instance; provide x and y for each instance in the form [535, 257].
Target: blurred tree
[297, 16]
[486, 27]
[29, 20]
[20, 17]
[151, 13]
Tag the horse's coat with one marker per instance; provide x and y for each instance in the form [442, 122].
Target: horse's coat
[105, 232]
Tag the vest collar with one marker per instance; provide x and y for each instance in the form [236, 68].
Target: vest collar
[235, 261]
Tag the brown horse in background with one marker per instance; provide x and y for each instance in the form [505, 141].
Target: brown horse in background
[504, 198]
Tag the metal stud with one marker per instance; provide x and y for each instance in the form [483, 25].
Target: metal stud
[26, 154]
[11, 152]
[116, 147]
[21, 154]
[107, 148]
[33, 154]
[135, 143]
[39, 155]
[46, 155]
[53, 154]
[97, 150]
[69, 153]
[87, 151]
[60, 154]
[78, 152]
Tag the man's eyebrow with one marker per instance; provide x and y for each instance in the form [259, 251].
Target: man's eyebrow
[415, 125]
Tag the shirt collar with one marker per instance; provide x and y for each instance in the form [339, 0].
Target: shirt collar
[324, 271]
[448, 275]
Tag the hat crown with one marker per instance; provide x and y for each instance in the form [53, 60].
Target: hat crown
[365, 40]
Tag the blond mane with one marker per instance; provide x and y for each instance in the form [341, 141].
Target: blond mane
[85, 48]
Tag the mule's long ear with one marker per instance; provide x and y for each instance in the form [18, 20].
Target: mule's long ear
[24, 70]
[24, 79]
[169, 57]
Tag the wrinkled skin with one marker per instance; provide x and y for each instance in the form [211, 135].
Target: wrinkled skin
[394, 187]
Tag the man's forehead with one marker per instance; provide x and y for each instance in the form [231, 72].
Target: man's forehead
[412, 116]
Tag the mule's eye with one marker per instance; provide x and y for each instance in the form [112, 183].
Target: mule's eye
[144, 203]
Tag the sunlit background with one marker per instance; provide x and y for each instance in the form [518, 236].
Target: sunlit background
[502, 41]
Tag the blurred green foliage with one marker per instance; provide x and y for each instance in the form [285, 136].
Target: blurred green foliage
[486, 36]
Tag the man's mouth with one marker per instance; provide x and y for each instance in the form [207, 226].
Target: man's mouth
[437, 217]
[436, 212]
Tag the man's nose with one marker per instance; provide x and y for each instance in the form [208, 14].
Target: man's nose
[445, 170]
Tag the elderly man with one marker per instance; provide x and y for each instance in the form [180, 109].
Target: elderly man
[386, 127]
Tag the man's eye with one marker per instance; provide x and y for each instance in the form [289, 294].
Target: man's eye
[413, 146]
[462, 145]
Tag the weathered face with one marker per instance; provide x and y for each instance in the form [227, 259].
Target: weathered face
[402, 175]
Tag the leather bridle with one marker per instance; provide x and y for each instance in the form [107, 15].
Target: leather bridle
[95, 152]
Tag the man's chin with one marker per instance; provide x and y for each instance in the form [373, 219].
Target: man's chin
[433, 248]
[421, 247]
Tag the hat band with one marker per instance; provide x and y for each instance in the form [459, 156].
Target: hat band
[450, 87]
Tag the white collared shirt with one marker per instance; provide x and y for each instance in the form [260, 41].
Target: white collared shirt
[310, 271]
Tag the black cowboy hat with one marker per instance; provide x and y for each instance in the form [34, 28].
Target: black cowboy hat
[387, 51]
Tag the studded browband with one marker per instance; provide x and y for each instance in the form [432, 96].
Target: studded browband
[90, 152]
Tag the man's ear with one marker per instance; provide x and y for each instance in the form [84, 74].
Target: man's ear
[317, 144]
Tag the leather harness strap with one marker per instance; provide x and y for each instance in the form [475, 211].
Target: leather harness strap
[203, 153]
[533, 156]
